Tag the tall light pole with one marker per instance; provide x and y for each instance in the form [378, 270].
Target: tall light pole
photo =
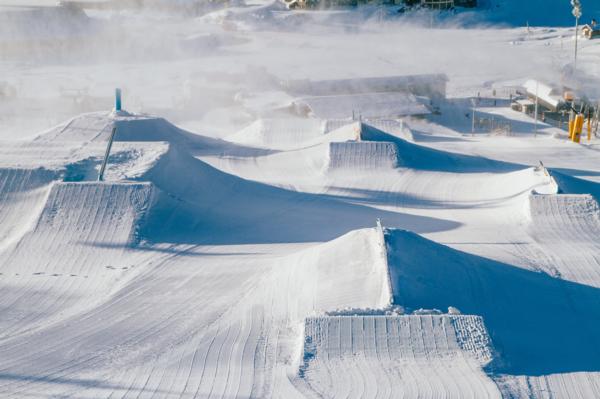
[474, 103]
[577, 14]
[537, 102]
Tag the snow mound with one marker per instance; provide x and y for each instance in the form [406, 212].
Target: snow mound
[372, 356]
[280, 133]
[362, 155]
[207, 205]
[130, 127]
[529, 315]
[415, 156]
[348, 272]
[408, 155]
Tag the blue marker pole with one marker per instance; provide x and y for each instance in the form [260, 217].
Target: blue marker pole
[118, 99]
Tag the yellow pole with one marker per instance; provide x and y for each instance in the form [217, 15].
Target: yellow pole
[589, 128]
[578, 128]
[571, 129]
[571, 125]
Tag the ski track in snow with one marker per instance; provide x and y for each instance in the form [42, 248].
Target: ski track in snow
[78, 247]
[393, 356]
[231, 325]
[250, 268]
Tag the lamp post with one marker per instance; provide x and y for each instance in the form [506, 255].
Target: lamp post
[577, 14]
[474, 103]
[537, 101]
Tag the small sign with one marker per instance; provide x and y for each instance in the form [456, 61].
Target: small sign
[576, 8]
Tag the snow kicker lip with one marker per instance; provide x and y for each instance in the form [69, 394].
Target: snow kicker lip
[363, 155]
[564, 196]
[81, 243]
[377, 351]
[563, 205]
[72, 198]
[22, 193]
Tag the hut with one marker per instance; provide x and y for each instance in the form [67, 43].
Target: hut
[548, 97]
[590, 31]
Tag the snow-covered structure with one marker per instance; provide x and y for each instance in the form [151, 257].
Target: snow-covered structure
[590, 32]
[428, 85]
[64, 27]
[367, 105]
[547, 96]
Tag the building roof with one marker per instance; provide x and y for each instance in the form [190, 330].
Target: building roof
[379, 105]
[542, 91]
[408, 83]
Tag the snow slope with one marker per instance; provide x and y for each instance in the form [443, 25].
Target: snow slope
[534, 319]
[249, 269]
[97, 127]
[242, 342]
[280, 133]
[213, 207]
[78, 245]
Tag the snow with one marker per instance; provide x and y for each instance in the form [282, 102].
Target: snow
[239, 248]
[362, 155]
[280, 133]
[385, 356]
[380, 105]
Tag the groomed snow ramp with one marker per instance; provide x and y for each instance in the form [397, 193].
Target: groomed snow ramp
[566, 227]
[77, 252]
[416, 156]
[22, 194]
[566, 207]
[280, 133]
[363, 155]
[424, 356]
[540, 324]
